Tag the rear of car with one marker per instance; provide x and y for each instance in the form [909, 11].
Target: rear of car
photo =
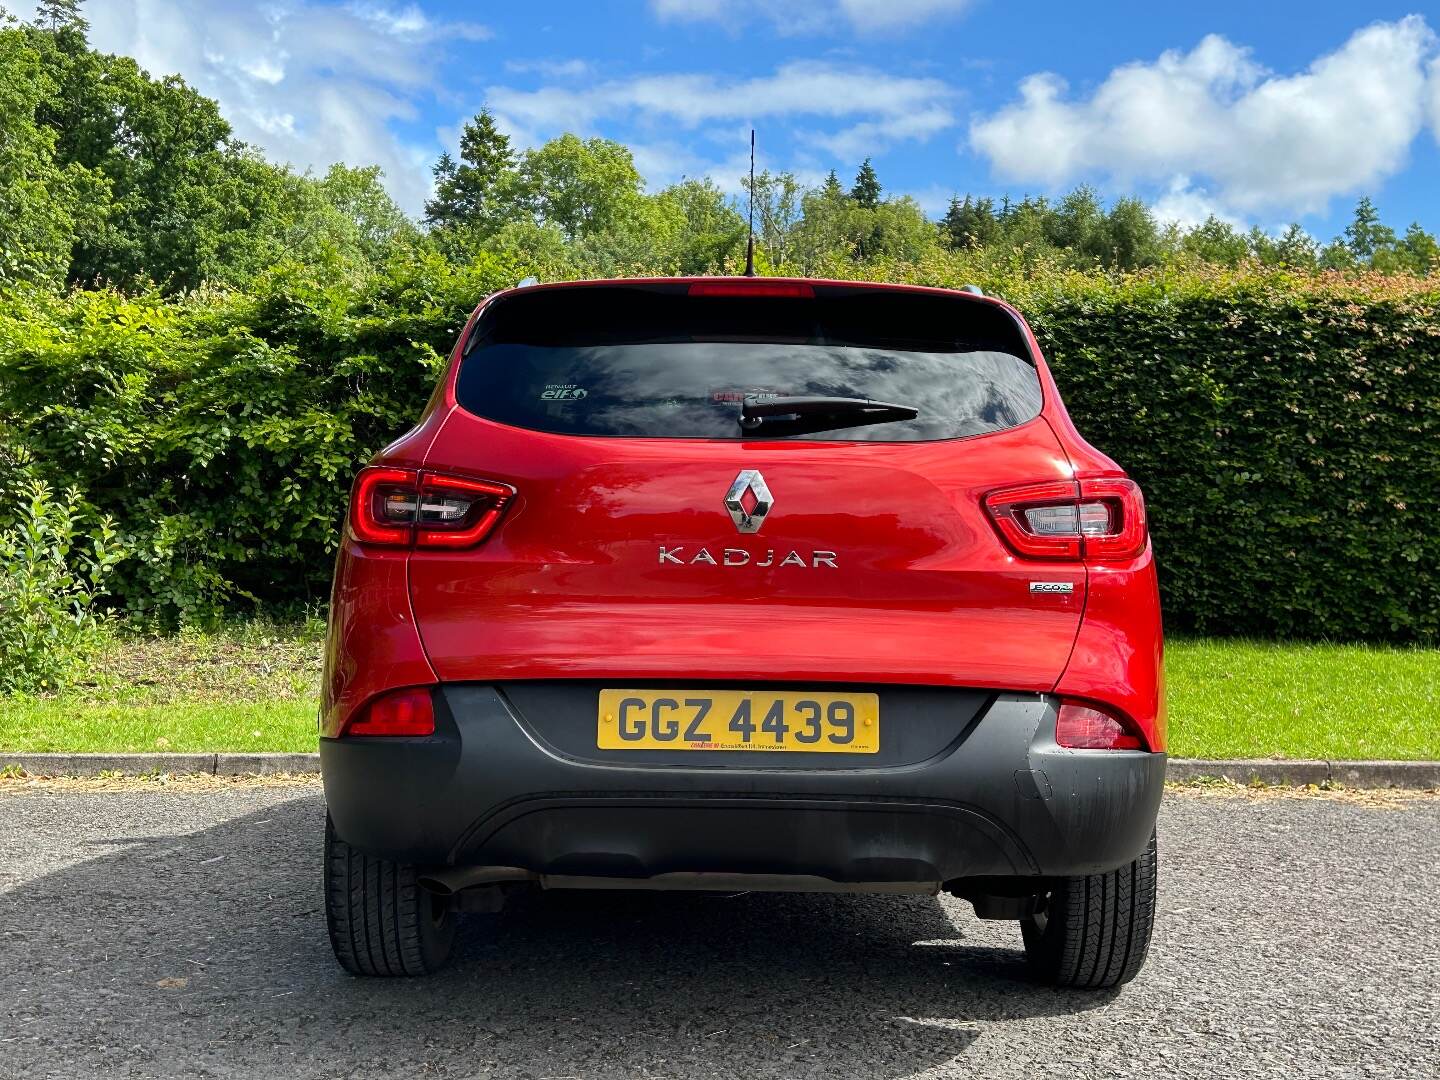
[745, 583]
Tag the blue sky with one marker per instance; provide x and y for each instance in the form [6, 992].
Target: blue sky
[1262, 113]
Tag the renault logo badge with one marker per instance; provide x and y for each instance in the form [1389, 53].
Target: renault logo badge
[748, 501]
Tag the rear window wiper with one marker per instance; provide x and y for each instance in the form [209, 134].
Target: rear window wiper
[798, 415]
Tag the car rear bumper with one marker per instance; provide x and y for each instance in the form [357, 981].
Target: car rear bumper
[488, 790]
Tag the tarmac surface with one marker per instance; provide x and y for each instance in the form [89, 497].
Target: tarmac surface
[179, 931]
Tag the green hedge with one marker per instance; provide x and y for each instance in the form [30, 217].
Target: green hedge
[1284, 427]
[222, 431]
[1287, 435]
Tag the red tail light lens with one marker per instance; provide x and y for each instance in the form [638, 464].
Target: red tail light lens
[1084, 727]
[1095, 520]
[1125, 532]
[404, 508]
[377, 512]
[400, 712]
[456, 512]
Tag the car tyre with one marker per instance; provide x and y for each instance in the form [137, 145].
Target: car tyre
[382, 922]
[1094, 931]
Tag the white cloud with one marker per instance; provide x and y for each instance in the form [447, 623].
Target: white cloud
[311, 84]
[550, 69]
[895, 14]
[1253, 140]
[1186, 205]
[266, 69]
[411, 22]
[863, 139]
[813, 16]
[894, 107]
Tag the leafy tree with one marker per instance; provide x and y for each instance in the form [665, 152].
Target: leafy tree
[1336, 255]
[533, 248]
[1296, 248]
[1417, 251]
[1261, 247]
[827, 226]
[185, 197]
[42, 202]
[1400, 256]
[833, 225]
[898, 229]
[710, 229]
[1078, 224]
[777, 203]
[1024, 226]
[866, 191]
[1217, 242]
[583, 187]
[1131, 237]
[344, 220]
[479, 190]
[359, 197]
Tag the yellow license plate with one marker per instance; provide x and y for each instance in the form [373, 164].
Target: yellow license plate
[739, 720]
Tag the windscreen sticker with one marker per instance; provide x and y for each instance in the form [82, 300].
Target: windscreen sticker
[562, 392]
[740, 395]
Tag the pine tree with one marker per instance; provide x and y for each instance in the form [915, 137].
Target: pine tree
[970, 223]
[866, 191]
[473, 191]
[444, 169]
[832, 188]
[55, 15]
[1365, 235]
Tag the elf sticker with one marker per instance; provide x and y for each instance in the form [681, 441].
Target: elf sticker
[562, 392]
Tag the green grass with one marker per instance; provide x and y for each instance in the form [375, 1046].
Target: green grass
[1250, 699]
[255, 687]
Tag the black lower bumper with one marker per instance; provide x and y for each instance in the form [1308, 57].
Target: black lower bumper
[1002, 799]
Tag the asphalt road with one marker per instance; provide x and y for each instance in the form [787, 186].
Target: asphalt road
[168, 933]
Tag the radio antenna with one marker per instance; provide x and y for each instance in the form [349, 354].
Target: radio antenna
[750, 244]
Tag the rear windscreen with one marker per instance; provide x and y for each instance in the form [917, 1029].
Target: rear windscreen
[654, 361]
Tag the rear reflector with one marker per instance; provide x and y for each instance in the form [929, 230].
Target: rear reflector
[751, 287]
[407, 508]
[400, 712]
[1094, 520]
[1084, 727]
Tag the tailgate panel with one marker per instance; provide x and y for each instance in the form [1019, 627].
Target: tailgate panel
[613, 563]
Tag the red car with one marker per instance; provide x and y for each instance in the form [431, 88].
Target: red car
[745, 583]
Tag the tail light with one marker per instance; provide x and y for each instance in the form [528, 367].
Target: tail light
[1094, 520]
[1084, 727]
[400, 712]
[410, 508]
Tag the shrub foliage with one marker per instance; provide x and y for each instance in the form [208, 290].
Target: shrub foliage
[51, 572]
[1283, 426]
